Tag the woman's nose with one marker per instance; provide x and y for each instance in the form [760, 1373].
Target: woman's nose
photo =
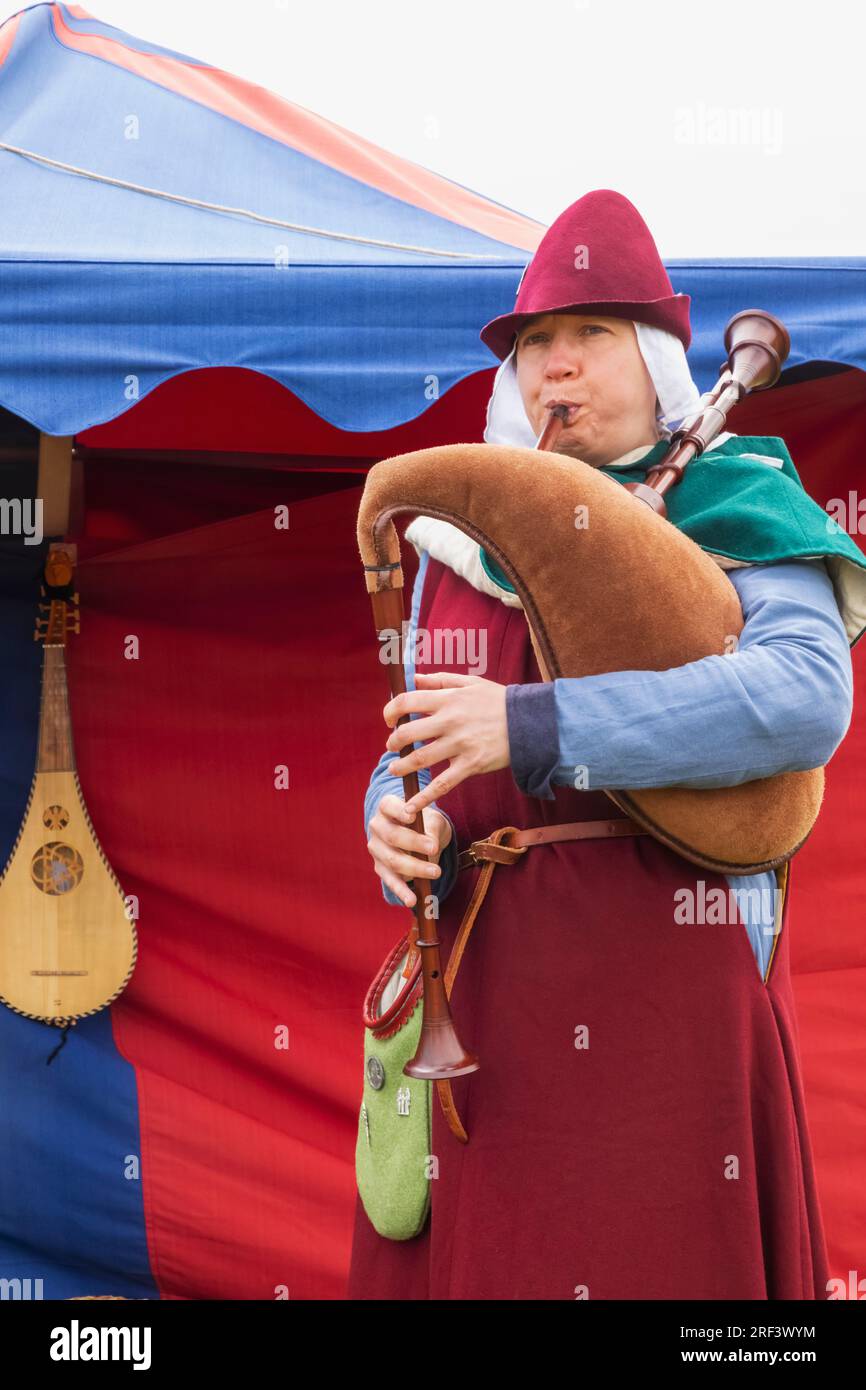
[562, 360]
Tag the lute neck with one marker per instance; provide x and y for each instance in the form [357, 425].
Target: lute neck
[55, 753]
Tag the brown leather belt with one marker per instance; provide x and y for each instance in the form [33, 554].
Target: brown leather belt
[496, 850]
[493, 849]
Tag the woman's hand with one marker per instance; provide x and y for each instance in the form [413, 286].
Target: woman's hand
[395, 846]
[465, 725]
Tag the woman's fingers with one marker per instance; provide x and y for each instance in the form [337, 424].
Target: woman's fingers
[453, 775]
[406, 865]
[436, 823]
[413, 731]
[402, 836]
[395, 847]
[413, 759]
[436, 746]
[398, 887]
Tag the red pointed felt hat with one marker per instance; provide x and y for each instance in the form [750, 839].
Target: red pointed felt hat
[598, 256]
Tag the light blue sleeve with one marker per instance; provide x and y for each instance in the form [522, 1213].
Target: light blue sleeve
[781, 702]
[382, 782]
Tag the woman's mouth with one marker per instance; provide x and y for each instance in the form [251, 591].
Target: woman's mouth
[566, 410]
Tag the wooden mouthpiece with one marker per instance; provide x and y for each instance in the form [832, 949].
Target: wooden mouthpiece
[553, 428]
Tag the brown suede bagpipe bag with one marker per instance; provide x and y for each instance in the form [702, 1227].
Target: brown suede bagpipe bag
[625, 590]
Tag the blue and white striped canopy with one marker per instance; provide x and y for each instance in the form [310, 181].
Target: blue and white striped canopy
[159, 216]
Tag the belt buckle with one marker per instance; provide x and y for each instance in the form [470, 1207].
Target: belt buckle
[499, 844]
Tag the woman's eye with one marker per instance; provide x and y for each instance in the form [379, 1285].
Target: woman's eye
[589, 328]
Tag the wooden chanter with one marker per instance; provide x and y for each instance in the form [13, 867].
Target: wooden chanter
[68, 944]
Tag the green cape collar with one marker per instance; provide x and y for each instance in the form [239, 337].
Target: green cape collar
[744, 503]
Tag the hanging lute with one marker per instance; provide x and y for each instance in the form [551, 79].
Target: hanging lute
[67, 941]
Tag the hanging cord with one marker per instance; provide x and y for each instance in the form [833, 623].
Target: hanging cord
[62, 1043]
[245, 212]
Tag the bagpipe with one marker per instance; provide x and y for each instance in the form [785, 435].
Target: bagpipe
[628, 591]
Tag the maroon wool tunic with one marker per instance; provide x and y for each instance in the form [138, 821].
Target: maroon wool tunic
[603, 1171]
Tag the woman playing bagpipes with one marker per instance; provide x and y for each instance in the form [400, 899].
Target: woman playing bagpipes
[637, 1127]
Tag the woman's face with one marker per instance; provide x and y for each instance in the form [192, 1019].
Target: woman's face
[594, 363]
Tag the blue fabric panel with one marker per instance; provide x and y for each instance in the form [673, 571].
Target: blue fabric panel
[364, 350]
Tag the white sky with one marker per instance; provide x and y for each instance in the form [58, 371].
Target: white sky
[736, 128]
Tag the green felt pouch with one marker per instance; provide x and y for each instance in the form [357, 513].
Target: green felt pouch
[392, 1154]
